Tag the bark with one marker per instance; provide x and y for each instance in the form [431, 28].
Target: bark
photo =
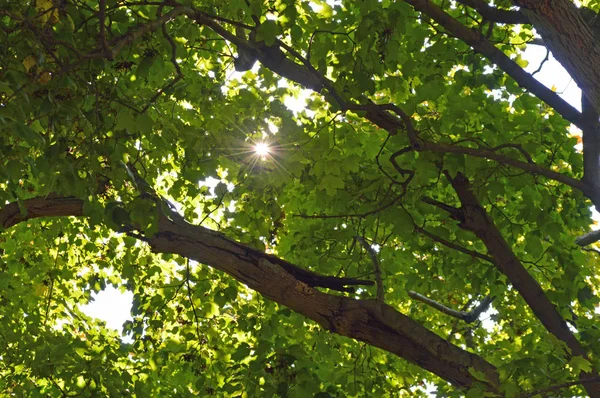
[369, 321]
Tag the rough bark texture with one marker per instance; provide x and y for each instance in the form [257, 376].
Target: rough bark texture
[369, 321]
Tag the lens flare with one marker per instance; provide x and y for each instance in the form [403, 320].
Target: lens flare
[261, 149]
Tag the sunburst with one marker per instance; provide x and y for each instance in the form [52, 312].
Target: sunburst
[262, 149]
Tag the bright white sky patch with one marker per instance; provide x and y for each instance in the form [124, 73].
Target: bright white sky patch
[110, 306]
[552, 74]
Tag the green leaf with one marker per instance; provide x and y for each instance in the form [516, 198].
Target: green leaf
[402, 222]
[242, 352]
[296, 32]
[331, 184]
[267, 32]
[144, 66]
[24, 132]
[534, 247]
[477, 374]
[580, 364]
[100, 123]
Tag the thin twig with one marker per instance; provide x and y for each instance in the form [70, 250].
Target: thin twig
[353, 215]
[542, 63]
[451, 245]
[189, 291]
[509, 161]
[468, 317]
[376, 267]
[560, 386]
[102, 23]
[173, 61]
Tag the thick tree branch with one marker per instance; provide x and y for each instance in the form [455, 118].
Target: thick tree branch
[305, 74]
[473, 217]
[495, 14]
[370, 321]
[483, 46]
[49, 206]
[56, 206]
[270, 56]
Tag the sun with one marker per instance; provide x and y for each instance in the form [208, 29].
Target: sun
[261, 149]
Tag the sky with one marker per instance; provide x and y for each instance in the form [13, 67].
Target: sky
[552, 74]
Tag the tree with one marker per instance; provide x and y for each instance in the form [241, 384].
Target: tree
[426, 177]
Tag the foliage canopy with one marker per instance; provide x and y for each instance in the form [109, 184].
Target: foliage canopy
[425, 176]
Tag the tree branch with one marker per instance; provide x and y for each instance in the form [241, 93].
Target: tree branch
[352, 215]
[271, 57]
[492, 155]
[179, 73]
[369, 321]
[588, 239]
[487, 49]
[120, 42]
[474, 218]
[495, 14]
[306, 75]
[451, 245]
